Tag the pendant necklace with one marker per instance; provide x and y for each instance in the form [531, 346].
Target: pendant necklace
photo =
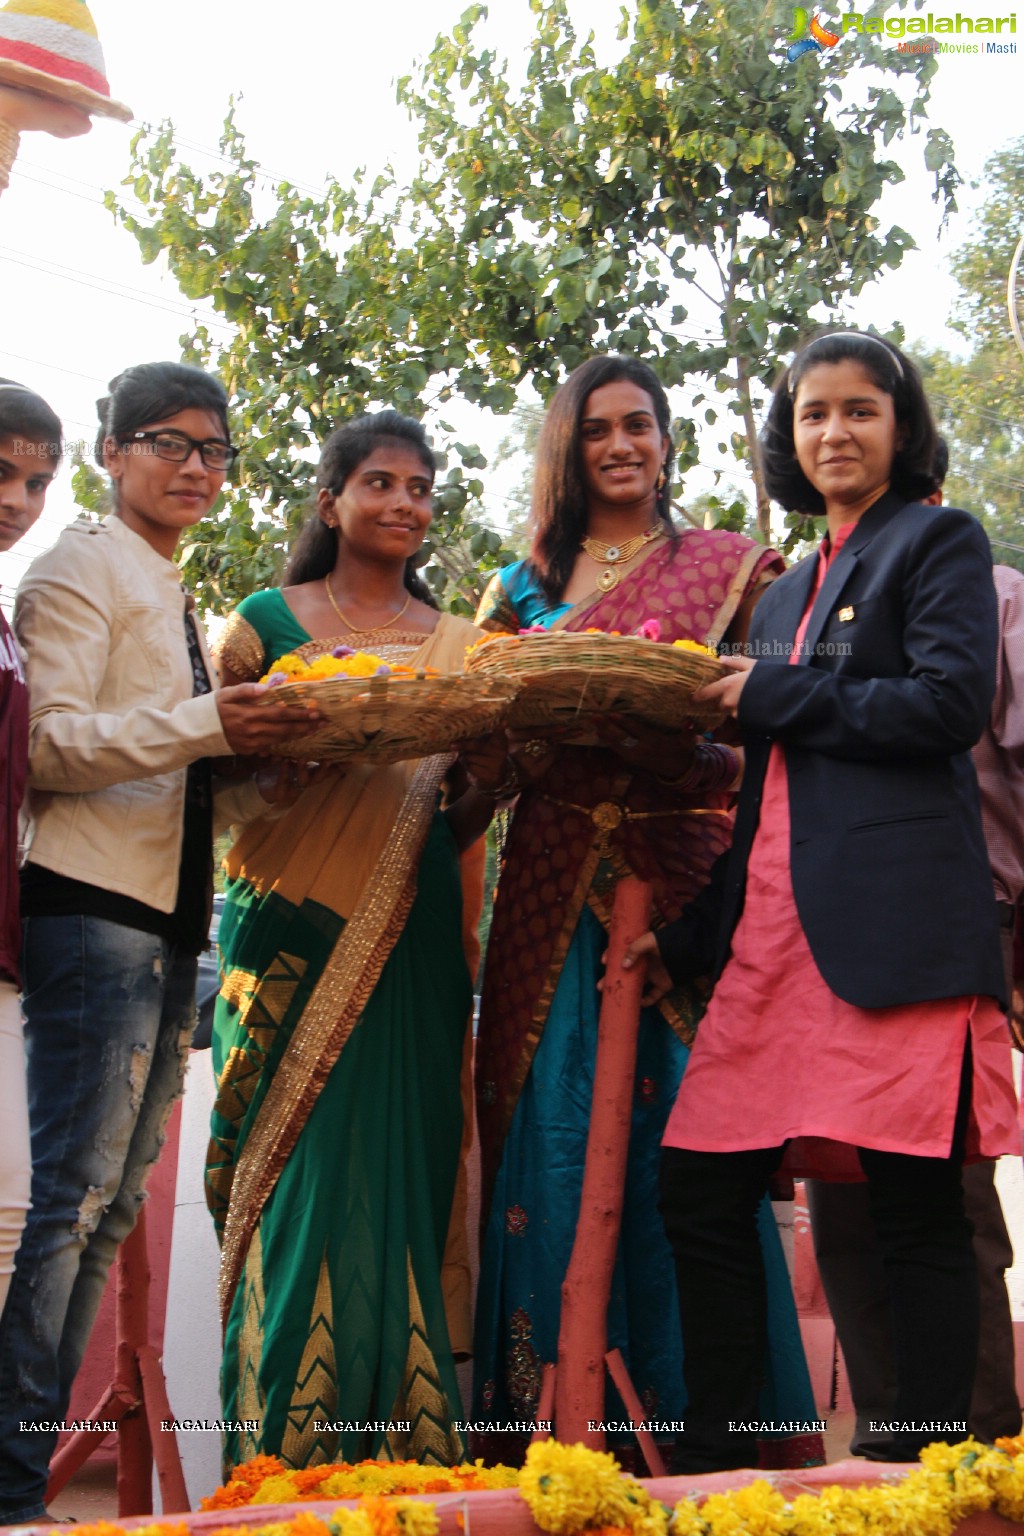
[611, 555]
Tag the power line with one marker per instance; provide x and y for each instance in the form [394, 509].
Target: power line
[218, 154]
[37, 362]
[112, 290]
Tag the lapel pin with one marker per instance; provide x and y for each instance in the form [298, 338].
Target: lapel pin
[845, 615]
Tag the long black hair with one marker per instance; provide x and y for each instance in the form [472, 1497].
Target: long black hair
[558, 513]
[891, 371]
[26, 416]
[154, 392]
[316, 548]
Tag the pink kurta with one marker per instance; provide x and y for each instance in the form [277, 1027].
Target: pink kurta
[778, 1056]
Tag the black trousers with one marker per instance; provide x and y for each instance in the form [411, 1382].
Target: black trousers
[709, 1202]
[854, 1280]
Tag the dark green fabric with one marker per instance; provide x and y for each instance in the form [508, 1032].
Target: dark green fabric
[367, 1190]
[322, 1327]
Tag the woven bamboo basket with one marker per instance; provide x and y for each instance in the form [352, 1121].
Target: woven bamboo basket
[573, 680]
[388, 719]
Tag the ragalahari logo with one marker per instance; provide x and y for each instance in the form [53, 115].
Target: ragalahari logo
[820, 37]
[811, 36]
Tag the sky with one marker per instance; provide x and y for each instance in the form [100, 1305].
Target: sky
[314, 83]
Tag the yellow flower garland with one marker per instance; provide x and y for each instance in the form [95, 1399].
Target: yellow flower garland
[570, 1489]
[573, 1491]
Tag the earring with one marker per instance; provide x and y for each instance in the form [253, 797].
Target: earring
[661, 480]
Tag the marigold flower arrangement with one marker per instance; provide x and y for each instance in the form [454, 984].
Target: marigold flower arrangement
[266, 1480]
[342, 661]
[951, 1483]
[374, 1517]
[573, 1491]
[650, 629]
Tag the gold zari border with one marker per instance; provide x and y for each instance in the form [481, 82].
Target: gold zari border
[735, 595]
[239, 648]
[330, 1016]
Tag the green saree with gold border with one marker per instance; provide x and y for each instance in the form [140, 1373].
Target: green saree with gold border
[338, 1044]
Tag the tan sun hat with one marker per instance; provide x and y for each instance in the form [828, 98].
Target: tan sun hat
[51, 46]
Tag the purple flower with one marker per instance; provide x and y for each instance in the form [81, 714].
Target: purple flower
[341, 651]
[383, 670]
[276, 677]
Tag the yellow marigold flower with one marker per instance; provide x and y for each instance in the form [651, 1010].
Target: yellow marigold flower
[963, 1466]
[352, 1522]
[324, 666]
[291, 665]
[417, 1519]
[348, 1485]
[568, 1487]
[1008, 1498]
[655, 1522]
[759, 1509]
[275, 1490]
[492, 1477]
[362, 664]
[687, 1519]
[694, 645]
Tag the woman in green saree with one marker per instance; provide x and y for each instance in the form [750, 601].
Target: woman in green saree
[340, 1026]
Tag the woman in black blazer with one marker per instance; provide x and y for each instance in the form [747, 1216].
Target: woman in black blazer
[852, 930]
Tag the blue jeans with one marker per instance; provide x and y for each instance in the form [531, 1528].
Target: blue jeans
[108, 1020]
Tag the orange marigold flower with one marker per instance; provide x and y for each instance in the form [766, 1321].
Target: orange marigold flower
[309, 1477]
[381, 1514]
[306, 1524]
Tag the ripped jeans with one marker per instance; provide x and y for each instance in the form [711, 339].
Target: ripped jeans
[108, 1019]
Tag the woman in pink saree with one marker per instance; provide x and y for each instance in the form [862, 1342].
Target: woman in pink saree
[605, 555]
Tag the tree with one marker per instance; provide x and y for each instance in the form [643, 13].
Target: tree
[319, 328]
[520, 444]
[601, 204]
[593, 207]
[977, 396]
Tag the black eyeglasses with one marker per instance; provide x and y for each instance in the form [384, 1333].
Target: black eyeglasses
[178, 446]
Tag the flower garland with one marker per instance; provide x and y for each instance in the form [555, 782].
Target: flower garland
[573, 1491]
[570, 1489]
[342, 661]
[374, 1517]
[266, 1480]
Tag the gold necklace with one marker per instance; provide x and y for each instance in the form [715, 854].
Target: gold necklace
[366, 629]
[611, 555]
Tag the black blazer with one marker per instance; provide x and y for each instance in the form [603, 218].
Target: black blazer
[892, 688]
